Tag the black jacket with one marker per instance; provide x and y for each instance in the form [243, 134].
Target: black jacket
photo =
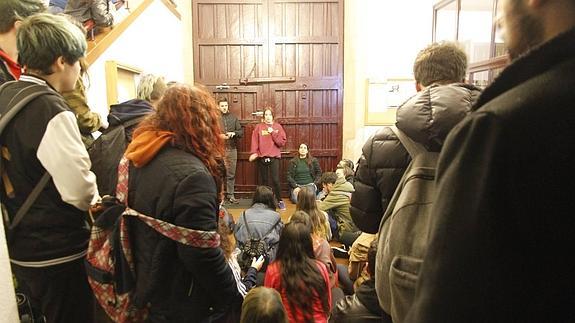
[186, 284]
[44, 137]
[502, 239]
[230, 123]
[426, 118]
[126, 111]
[362, 306]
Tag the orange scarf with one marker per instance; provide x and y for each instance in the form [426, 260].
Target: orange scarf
[146, 145]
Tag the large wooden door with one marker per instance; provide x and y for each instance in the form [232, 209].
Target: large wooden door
[284, 53]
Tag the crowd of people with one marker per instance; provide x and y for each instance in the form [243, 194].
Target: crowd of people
[500, 221]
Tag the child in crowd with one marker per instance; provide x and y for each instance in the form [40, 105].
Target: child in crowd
[302, 281]
[263, 305]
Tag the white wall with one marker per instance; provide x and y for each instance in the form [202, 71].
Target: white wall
[152, 43]
[8, 309]
[381, 40]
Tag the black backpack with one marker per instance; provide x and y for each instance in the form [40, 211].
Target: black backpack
[28, 311]
[254, 247]
[105, 154]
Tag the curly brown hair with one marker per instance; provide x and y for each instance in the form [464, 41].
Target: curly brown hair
[191, 113]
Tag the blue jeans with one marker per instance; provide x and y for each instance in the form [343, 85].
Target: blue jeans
[311, 186]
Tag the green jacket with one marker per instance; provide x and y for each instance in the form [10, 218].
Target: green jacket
[338, 201]
[88, 120]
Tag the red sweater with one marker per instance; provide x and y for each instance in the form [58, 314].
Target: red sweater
[273, 280]
[266, 144]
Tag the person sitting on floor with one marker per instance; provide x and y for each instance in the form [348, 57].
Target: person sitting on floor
[260, 221]
[336, 204]
[302, 281]
[303, 171]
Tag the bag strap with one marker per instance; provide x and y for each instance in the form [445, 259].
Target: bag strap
[187, 236]
[272, 228]
[247, 225]
[22, 98]
[30, 200]
[265, 234]
[412, 147]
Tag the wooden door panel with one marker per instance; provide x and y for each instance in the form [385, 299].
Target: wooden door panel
[291, 51]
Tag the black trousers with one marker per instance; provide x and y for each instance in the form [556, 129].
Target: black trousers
[62, 291]
[269, 172]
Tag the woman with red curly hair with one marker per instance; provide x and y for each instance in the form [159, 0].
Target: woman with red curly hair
[176, 167]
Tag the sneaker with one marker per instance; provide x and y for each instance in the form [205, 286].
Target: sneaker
[233, 200]
[282, 205]
[340, 252]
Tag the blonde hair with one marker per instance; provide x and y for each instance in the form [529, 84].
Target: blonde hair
[151, 87]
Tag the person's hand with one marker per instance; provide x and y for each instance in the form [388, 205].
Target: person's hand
[224, 136]
[258, 263]
[253, 157]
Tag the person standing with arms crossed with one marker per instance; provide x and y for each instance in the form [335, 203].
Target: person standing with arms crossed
[232, 132]
[267, 139]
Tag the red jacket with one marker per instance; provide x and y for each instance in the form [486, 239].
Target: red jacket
[273, 280]
[266, 144]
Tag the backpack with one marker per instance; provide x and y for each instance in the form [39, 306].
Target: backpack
[110, 262]
[254, 247]
[28, 310]
[404, 230]
[105, 154]
[7, 113]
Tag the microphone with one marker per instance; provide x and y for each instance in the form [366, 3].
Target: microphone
[258, 114]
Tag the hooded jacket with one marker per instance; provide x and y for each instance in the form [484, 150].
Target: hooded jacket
[337, 200]
[122, 112]
[426, 118]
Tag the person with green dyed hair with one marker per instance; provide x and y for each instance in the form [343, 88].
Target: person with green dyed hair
[11, 14]
[47, 250]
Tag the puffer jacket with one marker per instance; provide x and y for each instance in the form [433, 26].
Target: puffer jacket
[182, 283]
[427, 118]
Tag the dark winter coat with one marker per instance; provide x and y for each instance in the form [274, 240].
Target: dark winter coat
[186, 284]
[502, 239]
[426, 118]
[126, 111]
